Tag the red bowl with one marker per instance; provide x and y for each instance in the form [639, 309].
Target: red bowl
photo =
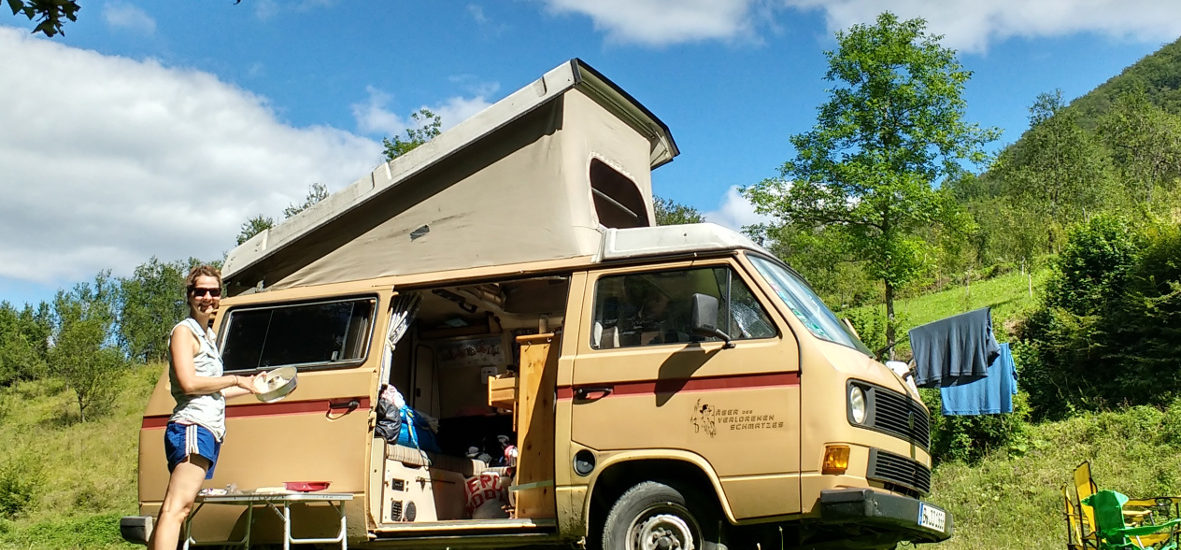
[305, 486]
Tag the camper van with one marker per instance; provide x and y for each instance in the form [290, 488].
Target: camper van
[496, 346]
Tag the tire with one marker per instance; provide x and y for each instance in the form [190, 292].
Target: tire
[656, 516]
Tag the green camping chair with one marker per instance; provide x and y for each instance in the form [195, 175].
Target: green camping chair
[1115, 533]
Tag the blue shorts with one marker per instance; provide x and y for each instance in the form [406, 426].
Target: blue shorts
[182, 440]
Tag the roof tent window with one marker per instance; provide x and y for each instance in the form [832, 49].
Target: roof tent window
[618, 202]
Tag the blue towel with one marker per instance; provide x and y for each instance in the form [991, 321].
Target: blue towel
[992, 394]
[958, 347]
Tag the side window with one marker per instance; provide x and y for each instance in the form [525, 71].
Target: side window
[306, 334]
[654, 308]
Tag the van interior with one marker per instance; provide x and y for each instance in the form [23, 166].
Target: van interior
[460, 367]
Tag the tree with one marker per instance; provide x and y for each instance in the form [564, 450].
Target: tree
[429, 126]
[254, 226]
[1058, 169]
[24, 341]
[150, 302]
[316, 193]
[893, 126]
[1145, 142]
[670, 212]
[82, 354]
[48, 13]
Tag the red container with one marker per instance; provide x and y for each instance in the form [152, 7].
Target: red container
[305, 486]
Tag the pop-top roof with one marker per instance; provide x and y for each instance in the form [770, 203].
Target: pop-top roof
[534, 177]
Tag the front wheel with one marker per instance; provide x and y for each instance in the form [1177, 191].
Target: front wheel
[655, 516]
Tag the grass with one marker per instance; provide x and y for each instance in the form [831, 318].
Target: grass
[1010, 296]
[1015, 502]
[68, 482]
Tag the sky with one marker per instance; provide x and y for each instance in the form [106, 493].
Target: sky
[155, 129]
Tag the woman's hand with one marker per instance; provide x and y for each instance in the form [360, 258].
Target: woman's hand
[243, 385]
[251, 383]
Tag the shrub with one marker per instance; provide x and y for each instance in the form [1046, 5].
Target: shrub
[969, 439]
[1109, 330]
[20, 480]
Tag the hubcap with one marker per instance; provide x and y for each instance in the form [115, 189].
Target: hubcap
[663, 532]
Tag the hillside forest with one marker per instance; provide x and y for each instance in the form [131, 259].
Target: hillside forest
[1085, 205]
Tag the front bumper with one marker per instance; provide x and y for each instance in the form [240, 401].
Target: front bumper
[136, 529]
[908, 518]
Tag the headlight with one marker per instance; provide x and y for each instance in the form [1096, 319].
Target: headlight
[857, 404]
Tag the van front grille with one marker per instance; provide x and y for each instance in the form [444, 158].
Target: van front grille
[899, 473]
[899, 415]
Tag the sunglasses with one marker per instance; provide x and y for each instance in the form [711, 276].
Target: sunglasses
[199, 292]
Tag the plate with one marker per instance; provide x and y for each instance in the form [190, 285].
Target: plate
[306, 486]
[276, 384]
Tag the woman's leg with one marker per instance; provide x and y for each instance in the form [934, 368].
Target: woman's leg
[182, 490]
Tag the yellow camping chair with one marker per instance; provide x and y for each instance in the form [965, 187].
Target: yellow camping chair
[1135, 513]
[1116, 534]
[1084, 487]
[1074, 532]
[1143, 511]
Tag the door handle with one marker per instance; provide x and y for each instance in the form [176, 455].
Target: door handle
[349, 406]
[592, 393]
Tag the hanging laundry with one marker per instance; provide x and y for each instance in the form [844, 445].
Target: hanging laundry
[992, 394]
[958, 347]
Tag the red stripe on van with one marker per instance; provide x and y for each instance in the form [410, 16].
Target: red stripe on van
[738, 381]
[281, 408]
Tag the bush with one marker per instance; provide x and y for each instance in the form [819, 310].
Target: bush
[1109, 330]
[969, 439]
[20, 481]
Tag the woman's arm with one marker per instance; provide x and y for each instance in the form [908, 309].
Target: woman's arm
[244, 386]
[183, 348]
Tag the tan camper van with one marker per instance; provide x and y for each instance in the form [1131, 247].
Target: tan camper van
[497, 347]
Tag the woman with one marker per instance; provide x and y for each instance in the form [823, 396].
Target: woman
[196, 428]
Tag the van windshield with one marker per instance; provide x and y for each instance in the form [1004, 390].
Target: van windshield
[805, 304]
[325, 333]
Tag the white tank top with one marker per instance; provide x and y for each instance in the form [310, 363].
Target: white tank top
[208, 410]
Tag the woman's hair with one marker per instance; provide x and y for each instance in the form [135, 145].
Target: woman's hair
[201, 271]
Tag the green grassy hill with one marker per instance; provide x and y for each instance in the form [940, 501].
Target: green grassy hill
[1015, 502]
[65, 482]
[1010, 296]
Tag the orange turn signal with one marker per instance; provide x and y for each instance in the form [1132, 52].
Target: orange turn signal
[836, 459]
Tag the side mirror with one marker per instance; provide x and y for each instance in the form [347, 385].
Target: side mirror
[704, 317]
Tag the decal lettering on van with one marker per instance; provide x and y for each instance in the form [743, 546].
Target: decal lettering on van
[707, 417]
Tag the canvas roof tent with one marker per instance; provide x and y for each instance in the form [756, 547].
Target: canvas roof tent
[533, 177]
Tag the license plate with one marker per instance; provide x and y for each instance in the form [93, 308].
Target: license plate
[932, 517]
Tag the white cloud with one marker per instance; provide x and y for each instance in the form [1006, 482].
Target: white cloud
[968, 25]
[374, 117]
[735, 211]
[266, 9]
[121, 15]
[661, 22]
[458, 109]
[107, 161]
[477, 13]
[971, 25]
